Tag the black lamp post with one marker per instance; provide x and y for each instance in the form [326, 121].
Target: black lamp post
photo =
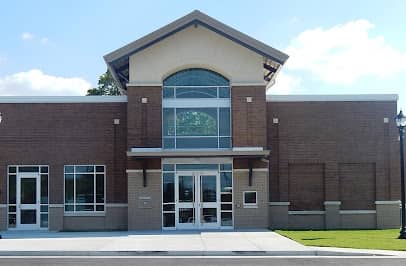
[1, 117]
[400, 120]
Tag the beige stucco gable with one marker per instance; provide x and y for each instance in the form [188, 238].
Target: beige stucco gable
[196, 46]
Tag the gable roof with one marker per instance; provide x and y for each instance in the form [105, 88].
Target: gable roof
[117, 61]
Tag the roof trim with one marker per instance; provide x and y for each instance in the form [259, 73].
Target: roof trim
[63, 99]
[333, 98]
[197, 17]
[119, 59]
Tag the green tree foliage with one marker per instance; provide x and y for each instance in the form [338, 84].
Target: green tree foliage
[196, 122]
[105, 86]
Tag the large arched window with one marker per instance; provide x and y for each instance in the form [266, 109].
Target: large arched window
[196, 110]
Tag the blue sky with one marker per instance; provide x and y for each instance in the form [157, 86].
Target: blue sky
[56, 47]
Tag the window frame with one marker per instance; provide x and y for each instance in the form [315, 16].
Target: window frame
[217, 87]
[198, 103]
[196, 79]
[250, 205]
[75, 204]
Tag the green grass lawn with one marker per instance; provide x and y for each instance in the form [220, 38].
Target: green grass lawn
[363, 239]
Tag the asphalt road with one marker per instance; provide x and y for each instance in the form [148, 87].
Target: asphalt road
[198, 261]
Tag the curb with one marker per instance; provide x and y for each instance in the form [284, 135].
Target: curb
[320, 253]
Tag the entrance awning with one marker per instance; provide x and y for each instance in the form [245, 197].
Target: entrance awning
[245, 152]
[250, 153]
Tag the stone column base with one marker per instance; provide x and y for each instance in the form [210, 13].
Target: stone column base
[55, 217]
[144, 202]
[332, 214]
[387, 214]
[279, 215]
[3, 217]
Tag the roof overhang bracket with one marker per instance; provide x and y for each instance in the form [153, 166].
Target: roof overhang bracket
[144, 173]
[250, 172]
[271, 70]
[123, 76]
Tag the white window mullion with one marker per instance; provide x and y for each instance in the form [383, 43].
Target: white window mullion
[195, 102]
[218, 127]
[174, 122]
[74, 188]
[94, 188]
[105, 189]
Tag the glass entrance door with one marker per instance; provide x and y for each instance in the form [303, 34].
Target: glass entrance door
[186, 201]
[197, 200]
[28, 205]
[209, 201]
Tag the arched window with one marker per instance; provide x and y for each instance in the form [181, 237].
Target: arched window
[196, 110]
[196, 83]
[196, 77]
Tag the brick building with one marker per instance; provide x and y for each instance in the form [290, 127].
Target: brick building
[195, 142]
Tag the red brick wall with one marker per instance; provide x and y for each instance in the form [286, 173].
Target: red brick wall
[60, 134]
[248, 119]
[306, 187]
[144, 119]
[333, 134]
[357, 186]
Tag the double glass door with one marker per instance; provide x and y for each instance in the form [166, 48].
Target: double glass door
[28, 204]
[197, 200]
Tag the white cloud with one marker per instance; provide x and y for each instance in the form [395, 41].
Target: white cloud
[34, 83]
[44, 40]
[27, 36]
[344, 53]
[285, 84]
[294, 20]
[2, 59]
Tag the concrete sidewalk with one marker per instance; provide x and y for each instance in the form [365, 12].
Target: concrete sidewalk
[265, 243]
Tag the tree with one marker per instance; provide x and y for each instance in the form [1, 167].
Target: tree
[105, 86]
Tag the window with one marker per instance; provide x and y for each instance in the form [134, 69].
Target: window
[196, 111]
[168, 196]
[196, 77]
[250, 198]
[84, 188]
[226, 194]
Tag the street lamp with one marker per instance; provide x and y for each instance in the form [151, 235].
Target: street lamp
[400, 120]
[1, 117]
